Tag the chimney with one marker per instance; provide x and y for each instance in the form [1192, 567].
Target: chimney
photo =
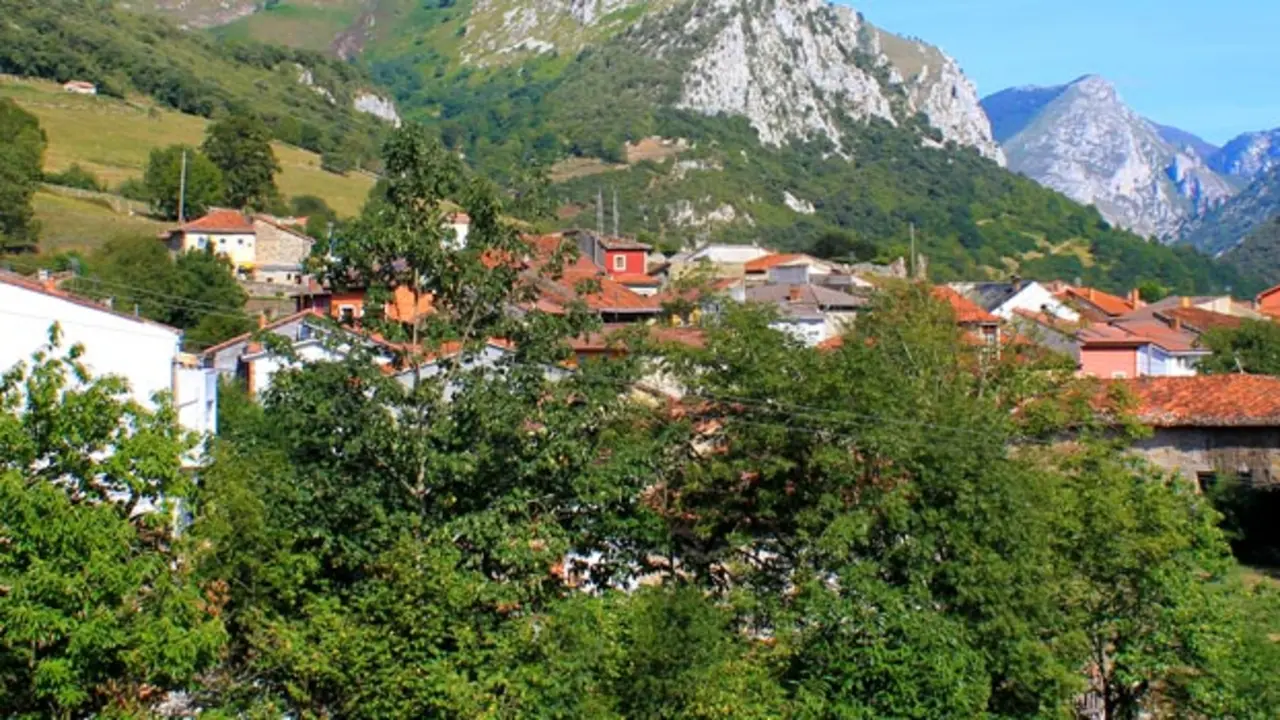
[794, 294]
[1088, 292]
[1016, 281]
[262, 320]
[1177, 324]
[1135, 299]
[1185, 302]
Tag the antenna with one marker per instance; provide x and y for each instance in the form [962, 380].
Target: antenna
[913, 251]
[182, 190]
[615, 213]
[599, 211]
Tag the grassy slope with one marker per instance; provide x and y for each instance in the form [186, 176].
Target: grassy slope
[306, 24]
[73, 224]
[113, 139]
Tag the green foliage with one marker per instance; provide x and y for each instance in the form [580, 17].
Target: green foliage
[1248, 513]
[197, 292]
[1259, 251]
[76, 177]
[240, 146]
[123, 51]
[1253, 348]
[101, 612]
[163, 182]
[21, 161]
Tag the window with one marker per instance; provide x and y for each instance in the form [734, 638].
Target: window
[619, 262]
[240, 241]
[200, 242]
[346, 313]
[1206, 480]
[1119, 375]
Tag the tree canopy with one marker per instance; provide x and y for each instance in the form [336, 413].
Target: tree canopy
[164, 182]
[240, 146]
[21, 169]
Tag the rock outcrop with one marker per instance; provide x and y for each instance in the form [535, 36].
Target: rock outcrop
[1249, 155]
[1083, 141]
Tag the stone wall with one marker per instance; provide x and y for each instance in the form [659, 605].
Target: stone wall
[1191, 451]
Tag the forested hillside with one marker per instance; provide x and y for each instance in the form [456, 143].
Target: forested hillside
[307, 98]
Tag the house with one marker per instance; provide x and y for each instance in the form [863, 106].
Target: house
[1268, 302]
[226, 232]
[980, 325]
[614, 301]
[1139, 348]
[721, 259]
[280, 251]
[1210, 426]
[1003, 299]
[460, 223]
[788, 268]
[616, 256]
[809, 313]
[1048, 331]
[309, 334]
[144, 353]
[80, 87]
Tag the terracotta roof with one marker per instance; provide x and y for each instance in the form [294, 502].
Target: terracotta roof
[1103, 335]
[1200, 320]
[763, 264]
[269, 326]
[1268, 293]
[637, 279]
[1162, 334]
[1206, 400]
[26, 283]
[618, 243]
[967, 311]
[220, 221]
[459, 218]
[815, 296]
[834, 343]
[1110, 304]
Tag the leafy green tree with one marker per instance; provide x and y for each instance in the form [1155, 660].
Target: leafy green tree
[240, 146]
[21, 161]
[1152, 291]
[1254, 347]
[197, 292]
[76, 177]
[101, 612]
[163, 182]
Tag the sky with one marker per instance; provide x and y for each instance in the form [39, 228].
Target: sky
[1212, 68]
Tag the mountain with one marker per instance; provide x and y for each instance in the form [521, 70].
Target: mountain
[1259, 252]
[1249, 155]
[777, 121]
[1227, 226]
[1082, 140]
[309, 99]
[1187, 141]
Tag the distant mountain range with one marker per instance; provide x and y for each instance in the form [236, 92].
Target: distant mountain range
[1159, 181]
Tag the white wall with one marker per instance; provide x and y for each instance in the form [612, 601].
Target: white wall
[1035, 297]
[142, 353]
[729, 254]
[809, 332]
[264, 367]
[240, 247]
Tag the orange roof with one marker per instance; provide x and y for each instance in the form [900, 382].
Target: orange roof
[401, 307]
[1110, 304]
[220, 221]
[637, 279]
[1203, 320]
[269, 326]
[763, 264]
[1267, 293]
[967, 312]
[1206, 400]
[834, 343]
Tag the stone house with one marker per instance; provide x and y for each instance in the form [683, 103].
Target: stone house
[281, 253]
[1208, 426]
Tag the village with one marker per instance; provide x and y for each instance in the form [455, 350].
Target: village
[1203, 425]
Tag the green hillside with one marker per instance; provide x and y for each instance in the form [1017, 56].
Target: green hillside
[306, 97]
[579, 110]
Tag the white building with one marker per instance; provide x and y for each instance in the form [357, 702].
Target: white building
[226, 232]
[146, 354]
[1003, 299]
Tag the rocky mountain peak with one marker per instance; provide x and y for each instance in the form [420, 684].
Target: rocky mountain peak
[1082, 140]
[1249, 155]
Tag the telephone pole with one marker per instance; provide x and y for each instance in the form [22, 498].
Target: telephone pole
[913, 251]
[615, 213]
[182, 191]
[599, 211]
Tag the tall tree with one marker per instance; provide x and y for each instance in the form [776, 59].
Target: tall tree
[163, 181]
[21, 165]
[100, 610]
[240, 146]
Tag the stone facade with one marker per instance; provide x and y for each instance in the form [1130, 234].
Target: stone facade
[281, 252]
[1197, 452]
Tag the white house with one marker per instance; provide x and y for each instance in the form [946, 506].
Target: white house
[80, 87]
[810, 313]
[144, 353]
[1003, 299]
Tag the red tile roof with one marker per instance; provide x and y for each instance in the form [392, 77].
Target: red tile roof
[637, 279]
[1110, 304]
[1200, 320]
[1206, 400]
[312, 312]
[967, 312]
[220, 221]
[762, 264]
[1268, 293]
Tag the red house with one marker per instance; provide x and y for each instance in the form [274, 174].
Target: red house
[615, 255]
[1268, 302]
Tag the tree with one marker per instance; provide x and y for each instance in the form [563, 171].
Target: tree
[101, 612]
[240, 146]
[1254, 347]
[163, 182]
[21, 168]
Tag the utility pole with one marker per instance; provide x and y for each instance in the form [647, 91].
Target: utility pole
[615, 213]
[182, 191]
[599, 211]
[913, 251]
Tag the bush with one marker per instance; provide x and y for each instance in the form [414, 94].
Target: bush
[76, 177]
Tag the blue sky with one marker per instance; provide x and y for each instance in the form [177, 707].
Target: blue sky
[1212, 68]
